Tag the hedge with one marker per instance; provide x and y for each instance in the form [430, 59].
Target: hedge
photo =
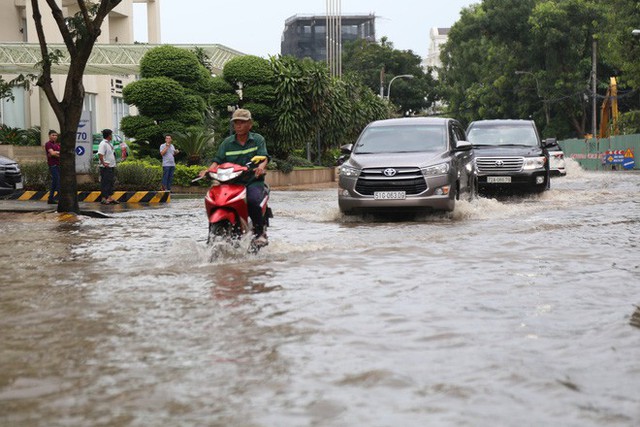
[131, 175]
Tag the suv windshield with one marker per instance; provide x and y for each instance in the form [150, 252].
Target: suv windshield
[502, 135]
[401, 139]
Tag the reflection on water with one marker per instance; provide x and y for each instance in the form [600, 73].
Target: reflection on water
[231, 283]
[504, 312]
[635, 318]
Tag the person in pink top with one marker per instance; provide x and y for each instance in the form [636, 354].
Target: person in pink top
[52, 148]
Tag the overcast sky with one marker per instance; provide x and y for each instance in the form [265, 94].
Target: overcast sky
[255, 26]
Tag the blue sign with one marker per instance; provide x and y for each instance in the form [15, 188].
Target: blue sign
[629, 163]
[79, 150]
[613, 159]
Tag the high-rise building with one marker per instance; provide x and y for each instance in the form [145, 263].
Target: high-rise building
[304, 36]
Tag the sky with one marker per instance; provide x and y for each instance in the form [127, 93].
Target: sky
[255, 27]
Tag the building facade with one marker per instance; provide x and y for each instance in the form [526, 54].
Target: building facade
[437, 37]
[305, 36]
[103, 104]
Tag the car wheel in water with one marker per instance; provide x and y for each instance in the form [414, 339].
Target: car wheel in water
[474, 191]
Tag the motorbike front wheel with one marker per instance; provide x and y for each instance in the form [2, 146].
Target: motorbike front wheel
[223, 231]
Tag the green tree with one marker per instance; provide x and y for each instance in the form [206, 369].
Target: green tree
[618, 45]
[252, 78]
[375, 64]
[523, 58]
[171, 96]
[313, 108]
[79, 33]
[294, 103]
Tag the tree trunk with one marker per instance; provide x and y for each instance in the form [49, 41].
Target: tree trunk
[69, 110]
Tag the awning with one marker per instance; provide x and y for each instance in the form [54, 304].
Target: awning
[113, 59]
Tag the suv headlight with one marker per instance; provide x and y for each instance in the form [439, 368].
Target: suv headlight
[531, 163]
[441, 169]
[348, 171]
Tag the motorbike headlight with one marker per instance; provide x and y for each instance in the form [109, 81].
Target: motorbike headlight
[531, 163]
[441, 169]
[348, 171]
[224, 175]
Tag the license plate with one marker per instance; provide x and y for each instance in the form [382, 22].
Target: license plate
[19, 186]
[389, 195]
[499, 180]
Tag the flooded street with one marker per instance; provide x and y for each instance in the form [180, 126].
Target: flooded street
[514, 312]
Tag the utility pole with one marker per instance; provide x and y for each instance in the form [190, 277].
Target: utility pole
[594, 110]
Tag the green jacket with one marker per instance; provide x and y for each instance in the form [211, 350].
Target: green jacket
[232, 151]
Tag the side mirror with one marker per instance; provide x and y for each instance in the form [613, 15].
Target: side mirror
[550, 142]
[463, 146]
[346, 149]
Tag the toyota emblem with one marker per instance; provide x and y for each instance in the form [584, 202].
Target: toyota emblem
[499, 163]
[390, 172]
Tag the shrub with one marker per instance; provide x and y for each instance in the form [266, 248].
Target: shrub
[249, 69]
[35, 176]
[12, 136]
[297, 161]
[154, 96]
[137, 175]
[169, 61]
[281, 165]
[184, 174]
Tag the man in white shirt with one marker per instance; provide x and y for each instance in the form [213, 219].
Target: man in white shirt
[107, 156]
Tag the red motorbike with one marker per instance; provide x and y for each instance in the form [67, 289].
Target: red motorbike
[226, 203]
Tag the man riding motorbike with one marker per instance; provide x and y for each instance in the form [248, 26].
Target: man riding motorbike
[239, 148]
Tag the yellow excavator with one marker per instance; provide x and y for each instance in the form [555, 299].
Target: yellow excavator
[609, 111]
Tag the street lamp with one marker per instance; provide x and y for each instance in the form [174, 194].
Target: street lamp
[635, 32]
[544, 101]
[405, 76]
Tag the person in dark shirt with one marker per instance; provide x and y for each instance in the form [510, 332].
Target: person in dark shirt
[52, 148]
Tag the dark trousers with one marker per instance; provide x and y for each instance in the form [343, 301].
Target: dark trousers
[255, 194]
[167, 176]
[107, 178]
[55, 182]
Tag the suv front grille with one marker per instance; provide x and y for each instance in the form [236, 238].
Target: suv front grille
[499, 164]
[409, 180]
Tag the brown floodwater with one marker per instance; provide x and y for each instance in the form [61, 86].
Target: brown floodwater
[520, 311]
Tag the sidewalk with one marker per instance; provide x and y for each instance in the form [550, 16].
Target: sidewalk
[36, 202]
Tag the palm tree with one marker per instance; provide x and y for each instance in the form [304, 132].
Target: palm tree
[193, 142]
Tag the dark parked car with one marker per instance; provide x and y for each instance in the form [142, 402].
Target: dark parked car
[407, 164]
[10, 176]
[509, 156]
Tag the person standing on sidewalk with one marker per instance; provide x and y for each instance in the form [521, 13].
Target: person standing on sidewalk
[107, 156]
[52, 148]
[168, 152]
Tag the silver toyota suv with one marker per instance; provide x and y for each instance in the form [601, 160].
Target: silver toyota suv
[403, 164]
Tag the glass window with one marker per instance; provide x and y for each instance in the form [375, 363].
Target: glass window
[402, 139]
[503, 135]
[12, 113]
[89, 104]
[119, 110]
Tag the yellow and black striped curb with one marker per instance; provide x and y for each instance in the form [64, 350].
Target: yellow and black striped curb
[94, 196]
